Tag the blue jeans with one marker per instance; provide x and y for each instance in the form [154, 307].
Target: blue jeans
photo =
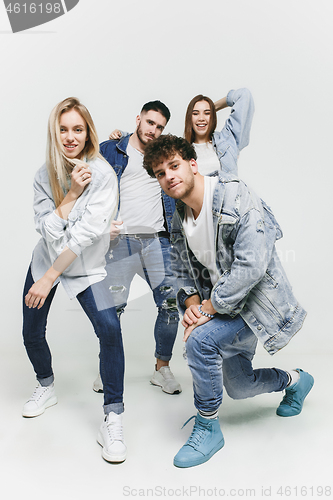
[220, 352]
[97, 304]
[150, 259]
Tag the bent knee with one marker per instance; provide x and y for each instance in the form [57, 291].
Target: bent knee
[241, 390]
[234, 392]
[194, 347]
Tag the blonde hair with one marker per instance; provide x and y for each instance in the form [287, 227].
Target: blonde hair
[58, 165]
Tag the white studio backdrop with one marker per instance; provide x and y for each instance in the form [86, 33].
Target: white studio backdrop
[115, 56]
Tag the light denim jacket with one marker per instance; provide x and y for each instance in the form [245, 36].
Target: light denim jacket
[235, 134]
[86, 232]
[252, 281]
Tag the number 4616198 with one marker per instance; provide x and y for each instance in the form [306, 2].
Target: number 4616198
[34, 8]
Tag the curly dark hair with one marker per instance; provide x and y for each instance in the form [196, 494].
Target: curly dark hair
[165, 147]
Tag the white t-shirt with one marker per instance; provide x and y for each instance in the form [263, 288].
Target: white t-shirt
[207, 158]
[200, 232]
[141, 207]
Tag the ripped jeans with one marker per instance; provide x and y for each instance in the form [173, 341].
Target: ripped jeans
[150, 259]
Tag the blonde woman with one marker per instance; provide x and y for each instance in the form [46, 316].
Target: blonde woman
[75, 199]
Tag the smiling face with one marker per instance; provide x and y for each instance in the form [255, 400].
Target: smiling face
[176, 176]
[201, 115]
[73, 133]
[150, 125]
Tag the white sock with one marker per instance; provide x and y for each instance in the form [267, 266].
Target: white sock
[294, 377]
[210, 416]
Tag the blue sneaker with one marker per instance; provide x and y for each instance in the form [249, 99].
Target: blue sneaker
[205, 440]
[292, 403]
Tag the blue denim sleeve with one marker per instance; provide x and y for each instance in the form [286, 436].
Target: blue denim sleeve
[235, 134]
[252, 251]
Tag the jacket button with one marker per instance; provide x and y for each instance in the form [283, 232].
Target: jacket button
[259, 327]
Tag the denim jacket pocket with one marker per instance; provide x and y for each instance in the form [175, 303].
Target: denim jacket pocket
[227, 223]
[226, 218]
[222, 149]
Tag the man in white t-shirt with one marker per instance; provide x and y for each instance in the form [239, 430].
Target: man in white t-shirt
[140, 237]
[232, 291]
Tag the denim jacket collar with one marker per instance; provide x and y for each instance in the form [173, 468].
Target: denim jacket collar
[123, 143]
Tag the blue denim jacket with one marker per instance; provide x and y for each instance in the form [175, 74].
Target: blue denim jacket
[115, 153]
[252, 281]
[235, 134]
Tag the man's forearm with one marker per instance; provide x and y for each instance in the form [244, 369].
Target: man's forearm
[192, 300]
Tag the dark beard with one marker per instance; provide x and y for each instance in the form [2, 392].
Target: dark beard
[139, 135]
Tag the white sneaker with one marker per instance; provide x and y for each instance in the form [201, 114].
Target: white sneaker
[165, 379]
[110, 436]
[98, 385]
[42, 398]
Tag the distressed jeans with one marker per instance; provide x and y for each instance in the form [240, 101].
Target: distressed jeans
[149, 257]
[220, 352]
[98, 306]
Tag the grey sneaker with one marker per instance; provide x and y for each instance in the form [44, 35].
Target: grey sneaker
[98, 385]
[165, 379]
[42, 398]
[110, 437]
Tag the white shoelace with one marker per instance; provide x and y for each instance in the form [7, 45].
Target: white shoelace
[38, 392]
[115, 429]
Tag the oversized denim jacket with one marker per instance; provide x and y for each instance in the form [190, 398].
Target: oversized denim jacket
[114, 152]
[252, 281]
[235, 134]
[86, 232]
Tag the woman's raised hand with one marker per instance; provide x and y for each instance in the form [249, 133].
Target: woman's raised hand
[81, 177]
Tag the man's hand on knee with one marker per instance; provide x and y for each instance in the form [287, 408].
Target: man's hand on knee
[200, 321]
[191, 315]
